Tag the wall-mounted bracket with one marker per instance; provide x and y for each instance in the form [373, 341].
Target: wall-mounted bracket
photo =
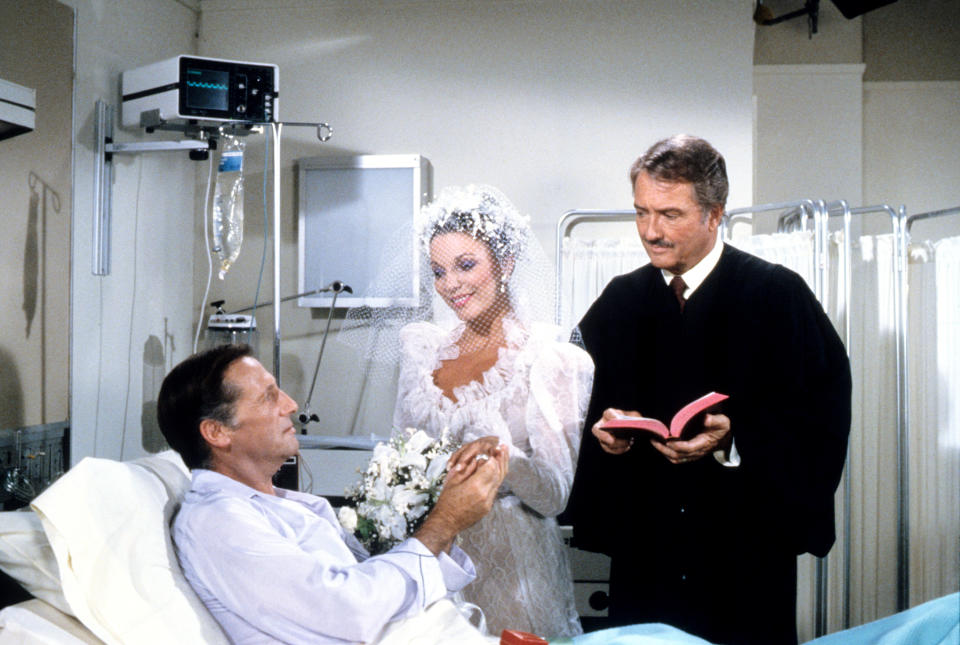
[151, 121]
[105, 148]
[155, 146]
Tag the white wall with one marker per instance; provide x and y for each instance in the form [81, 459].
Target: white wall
[911, 144]
[133, 324]
[809, 134]
[548, 100]
[36, 51]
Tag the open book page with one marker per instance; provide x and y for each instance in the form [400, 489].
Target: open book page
[692, 409]
[624, 425]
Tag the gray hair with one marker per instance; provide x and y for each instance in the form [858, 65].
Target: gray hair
[684, 158]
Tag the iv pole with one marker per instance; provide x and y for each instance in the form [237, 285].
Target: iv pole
[275, 129]
[324, 132]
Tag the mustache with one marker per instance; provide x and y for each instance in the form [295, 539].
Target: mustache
[660, 243]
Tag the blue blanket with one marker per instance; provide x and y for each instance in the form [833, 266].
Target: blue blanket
[936, 622]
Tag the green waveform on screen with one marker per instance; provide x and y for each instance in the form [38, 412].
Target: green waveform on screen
[206, 86]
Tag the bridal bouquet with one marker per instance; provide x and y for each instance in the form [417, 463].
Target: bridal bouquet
[397, 489]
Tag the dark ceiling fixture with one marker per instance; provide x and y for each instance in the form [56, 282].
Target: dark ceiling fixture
[763, 15]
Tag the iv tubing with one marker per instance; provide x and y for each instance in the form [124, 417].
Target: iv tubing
[206, 239]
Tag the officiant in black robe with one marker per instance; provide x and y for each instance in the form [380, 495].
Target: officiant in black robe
[704, 532]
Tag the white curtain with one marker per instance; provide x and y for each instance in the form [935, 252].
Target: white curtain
[792, 250]
[873, 433]
[587, 266]
[933, 307]
[934, 398]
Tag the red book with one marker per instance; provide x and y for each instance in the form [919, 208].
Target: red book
[626, 424]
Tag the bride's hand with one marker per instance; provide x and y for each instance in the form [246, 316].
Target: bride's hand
[465, 460]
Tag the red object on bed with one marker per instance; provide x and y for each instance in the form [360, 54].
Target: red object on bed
[514, 637]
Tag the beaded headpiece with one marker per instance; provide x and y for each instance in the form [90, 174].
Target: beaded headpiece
[486, 215]
[482, 212]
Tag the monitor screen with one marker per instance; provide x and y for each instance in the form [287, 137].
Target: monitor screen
[207, 89]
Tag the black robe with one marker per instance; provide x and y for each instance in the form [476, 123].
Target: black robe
[707, 548]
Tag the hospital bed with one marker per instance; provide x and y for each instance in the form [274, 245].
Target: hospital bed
[94, 551]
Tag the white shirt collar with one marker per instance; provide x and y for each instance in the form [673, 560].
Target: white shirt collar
[695, 275]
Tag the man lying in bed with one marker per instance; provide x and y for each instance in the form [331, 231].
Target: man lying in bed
[275, 565]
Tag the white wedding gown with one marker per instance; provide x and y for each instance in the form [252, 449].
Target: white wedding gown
[534, 399]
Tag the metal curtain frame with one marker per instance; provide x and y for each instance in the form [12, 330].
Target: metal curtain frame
[901, 224]
[930, 215]
[842, 208]
[806, 210]
[566, 223]
[898, 225]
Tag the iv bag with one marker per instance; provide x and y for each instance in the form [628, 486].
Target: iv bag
[228, 204]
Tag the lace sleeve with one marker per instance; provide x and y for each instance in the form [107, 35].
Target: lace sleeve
[561, 377]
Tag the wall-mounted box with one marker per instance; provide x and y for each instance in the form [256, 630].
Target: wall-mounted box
[18, 107]
[350, 212]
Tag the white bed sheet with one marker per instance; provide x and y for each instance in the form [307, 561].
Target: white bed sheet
[34, 622]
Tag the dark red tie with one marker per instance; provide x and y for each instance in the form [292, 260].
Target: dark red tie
[679, 286]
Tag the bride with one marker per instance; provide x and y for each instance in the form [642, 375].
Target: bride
[488, 365]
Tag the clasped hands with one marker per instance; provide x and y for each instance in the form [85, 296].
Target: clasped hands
[475, 472]
[714, 436]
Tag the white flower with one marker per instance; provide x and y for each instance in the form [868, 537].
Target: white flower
[396, 527]
[435, 469]
[416, 512]
[348, 518]
[418, 442]
[378, 489]
[403, 499]
[383, 455]
[414, 460]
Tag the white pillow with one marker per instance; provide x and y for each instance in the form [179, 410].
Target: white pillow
[26, 556]
[108, 523]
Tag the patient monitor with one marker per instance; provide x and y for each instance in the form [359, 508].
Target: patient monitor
[195, 89]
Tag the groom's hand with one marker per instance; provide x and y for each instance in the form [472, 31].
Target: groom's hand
[468, 494]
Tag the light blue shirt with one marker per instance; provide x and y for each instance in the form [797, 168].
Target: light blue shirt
[282, 569]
